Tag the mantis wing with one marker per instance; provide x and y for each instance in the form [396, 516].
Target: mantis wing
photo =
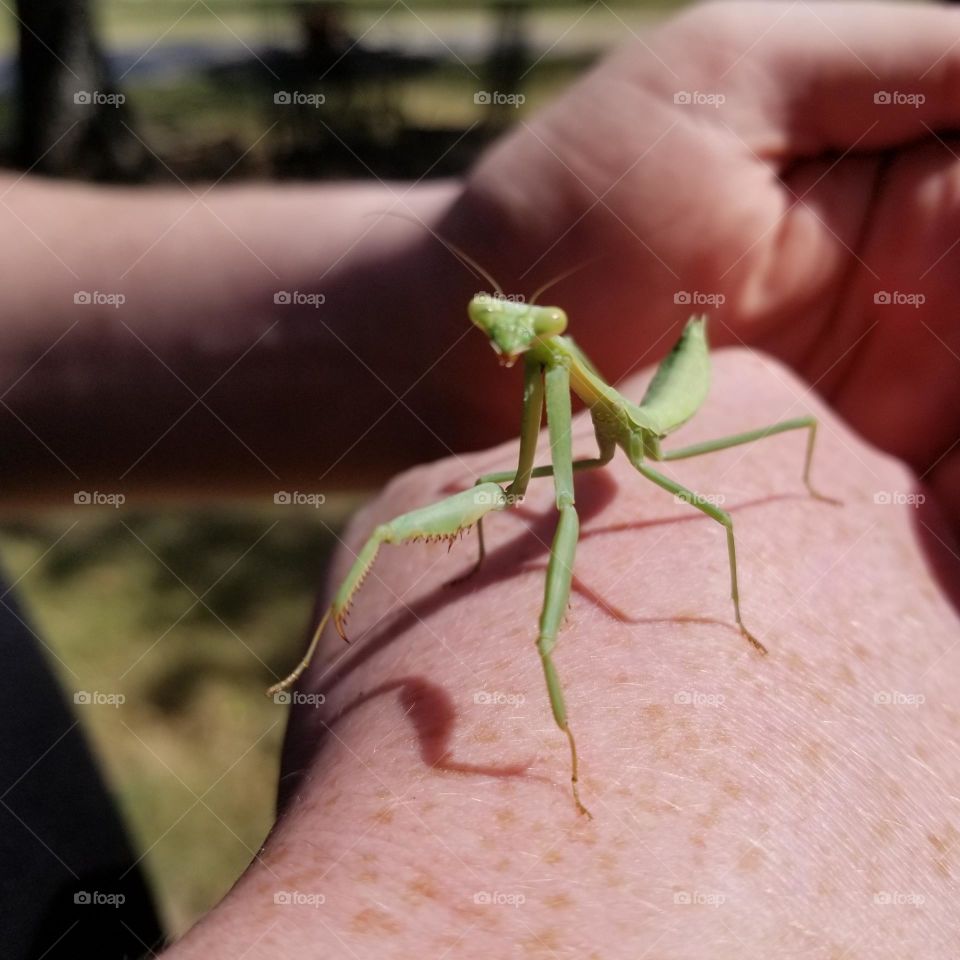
[681, 382]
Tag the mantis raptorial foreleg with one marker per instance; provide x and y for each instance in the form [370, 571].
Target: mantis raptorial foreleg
[721, 516]
[530, 429]
[529, 432]
[800, 423]
[560, 566]
[439, 521]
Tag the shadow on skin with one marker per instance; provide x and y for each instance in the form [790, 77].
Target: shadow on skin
[940, 552]
[432, 709]
[432, 712]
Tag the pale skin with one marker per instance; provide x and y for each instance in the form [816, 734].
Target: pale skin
[553, 368]
[777, 782]
[801, 791]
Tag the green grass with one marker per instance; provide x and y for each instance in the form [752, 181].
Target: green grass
[121, 616]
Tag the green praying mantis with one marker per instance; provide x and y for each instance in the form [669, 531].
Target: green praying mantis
[553, 366]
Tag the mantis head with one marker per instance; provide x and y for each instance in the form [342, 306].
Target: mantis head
[514, 327]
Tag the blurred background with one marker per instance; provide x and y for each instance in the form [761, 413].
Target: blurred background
[178, 609]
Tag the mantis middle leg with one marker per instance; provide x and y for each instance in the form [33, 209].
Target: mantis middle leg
[800, 423]
[722, 517]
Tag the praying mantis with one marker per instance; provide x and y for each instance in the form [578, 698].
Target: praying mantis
[553, 367]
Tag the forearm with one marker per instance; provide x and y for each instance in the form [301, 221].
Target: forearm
[743, 805]
[198, 377]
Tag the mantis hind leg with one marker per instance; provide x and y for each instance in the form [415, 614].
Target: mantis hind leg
[439, 521]
[800, 423]
[722, 517]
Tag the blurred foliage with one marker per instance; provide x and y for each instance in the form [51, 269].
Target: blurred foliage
[190, 614]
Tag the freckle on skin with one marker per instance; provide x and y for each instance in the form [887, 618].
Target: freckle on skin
[795, 662]
[542, 944]
[751, 859]
[553, 857]
[862, 653]
[506, 816]
[653, 719]
[845, 675]
[423, 888]
[883, 831]
[383, 815]
[944, 847]
[732, 789]
[607, 861]
[813, 754]
[558, 901]
[708, 819]
[374, 921]
[485, 733]
[479, 917]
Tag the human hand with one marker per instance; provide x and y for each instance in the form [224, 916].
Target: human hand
[798, 202]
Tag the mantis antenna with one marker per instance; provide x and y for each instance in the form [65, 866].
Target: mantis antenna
[562, 276]
[467, 261]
